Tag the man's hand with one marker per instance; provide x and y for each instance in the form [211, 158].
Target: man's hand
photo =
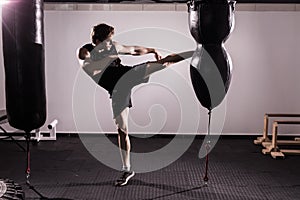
[157, 55]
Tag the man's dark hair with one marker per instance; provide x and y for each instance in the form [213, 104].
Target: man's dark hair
[101, 32]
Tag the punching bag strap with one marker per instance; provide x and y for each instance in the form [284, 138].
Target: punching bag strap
[232, 4]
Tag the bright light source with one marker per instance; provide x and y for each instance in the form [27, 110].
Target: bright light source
[2, 2]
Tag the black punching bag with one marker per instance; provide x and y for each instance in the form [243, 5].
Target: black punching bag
[210, 74]
[24, 63]
[211, 22]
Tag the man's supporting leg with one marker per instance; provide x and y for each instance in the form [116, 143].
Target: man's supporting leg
[123, 138]
[125, 146]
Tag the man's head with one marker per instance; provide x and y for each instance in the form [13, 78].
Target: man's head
[102, 32]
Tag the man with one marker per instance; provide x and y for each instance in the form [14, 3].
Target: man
[103, 65]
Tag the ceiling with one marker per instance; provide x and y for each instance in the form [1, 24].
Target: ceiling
[164, 1]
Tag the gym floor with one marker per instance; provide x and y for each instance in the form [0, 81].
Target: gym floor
[64, 169]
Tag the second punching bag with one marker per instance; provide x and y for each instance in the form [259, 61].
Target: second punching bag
[23, 51]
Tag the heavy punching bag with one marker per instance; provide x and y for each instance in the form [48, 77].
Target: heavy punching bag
[210, 74]
[23, 51]
[211, 22]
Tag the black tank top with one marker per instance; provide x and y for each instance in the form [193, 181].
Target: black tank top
[111, 75]
[103, 53]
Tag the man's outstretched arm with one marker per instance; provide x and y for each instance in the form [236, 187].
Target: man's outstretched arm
[136, 50]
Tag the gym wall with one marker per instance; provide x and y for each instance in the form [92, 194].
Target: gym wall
[264, 48]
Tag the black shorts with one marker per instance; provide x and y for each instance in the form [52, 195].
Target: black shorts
[119, 81]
